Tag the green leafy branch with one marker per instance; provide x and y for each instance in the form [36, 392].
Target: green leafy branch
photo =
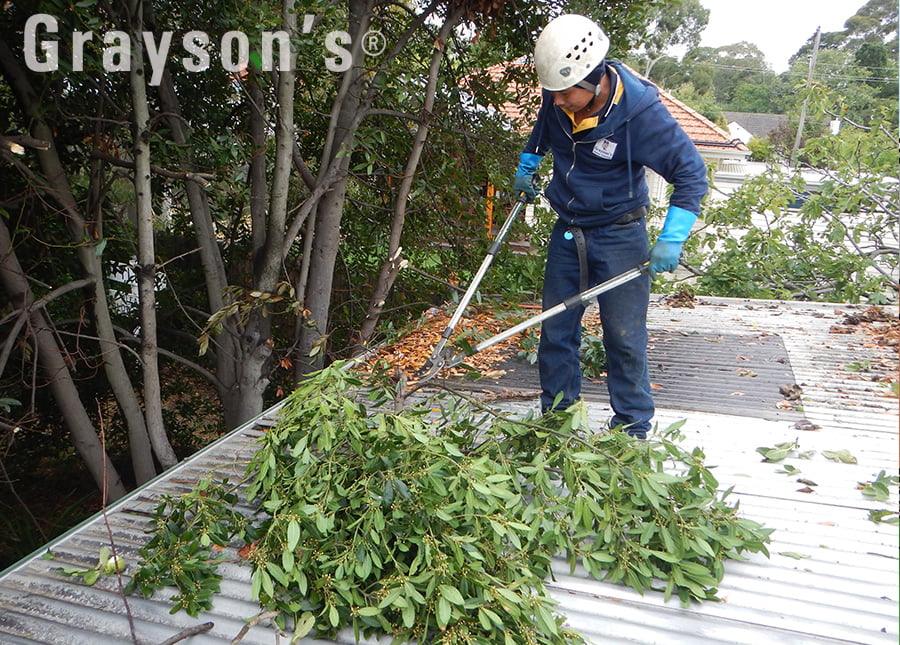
[190, 532]
[242, 303]
[879, 490]
[439, 523]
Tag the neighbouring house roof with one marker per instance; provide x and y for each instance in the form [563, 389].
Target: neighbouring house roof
[757, 124]
[706, 135]
[832, 576]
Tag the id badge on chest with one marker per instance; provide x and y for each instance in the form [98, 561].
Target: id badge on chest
[605, 149]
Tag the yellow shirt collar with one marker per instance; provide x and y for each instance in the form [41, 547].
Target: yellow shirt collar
[592, 121]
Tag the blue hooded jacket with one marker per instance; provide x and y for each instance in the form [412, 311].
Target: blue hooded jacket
[598, 175]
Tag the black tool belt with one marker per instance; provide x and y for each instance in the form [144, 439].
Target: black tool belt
[638, 213]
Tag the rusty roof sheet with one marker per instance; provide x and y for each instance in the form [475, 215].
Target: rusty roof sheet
[832, 577]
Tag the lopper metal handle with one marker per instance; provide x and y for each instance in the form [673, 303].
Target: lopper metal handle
[436, 354]
[578, 299]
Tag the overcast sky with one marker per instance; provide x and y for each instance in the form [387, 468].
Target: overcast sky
[778, 27]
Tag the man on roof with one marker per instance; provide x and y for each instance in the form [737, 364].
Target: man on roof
[604, 125]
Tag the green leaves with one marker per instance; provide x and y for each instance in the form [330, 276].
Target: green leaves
[783, 450]
[778, 453]
[884, 516]
[879, 491]
[841, 456]
[107, 565]
[441, 522]
[451, 594]
[189, 531]
[810, 245]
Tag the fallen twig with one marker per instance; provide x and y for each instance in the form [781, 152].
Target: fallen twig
[187, 633]
[253, 622]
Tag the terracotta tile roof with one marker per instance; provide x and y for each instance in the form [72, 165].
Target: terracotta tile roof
[705, 134]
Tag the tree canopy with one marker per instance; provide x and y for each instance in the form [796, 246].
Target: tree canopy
[736, 77]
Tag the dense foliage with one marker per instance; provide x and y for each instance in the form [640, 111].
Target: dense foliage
[859, 62]
[774, 239]
[438, 523]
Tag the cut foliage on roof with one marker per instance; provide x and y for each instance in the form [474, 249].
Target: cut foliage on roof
[438, 524]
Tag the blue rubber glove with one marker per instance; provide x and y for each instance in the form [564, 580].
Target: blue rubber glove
[523, 183]
[666, 252]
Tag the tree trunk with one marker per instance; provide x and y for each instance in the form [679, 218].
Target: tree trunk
[347, 112]
[58, 188]
[358, 90]
[257, 171]
[243, 355]
[313, 334]
[146, 250]
[393, 263]
[226, 344]
[53, 364]
[256, 341]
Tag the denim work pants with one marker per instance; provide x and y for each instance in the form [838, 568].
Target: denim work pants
[610, 251]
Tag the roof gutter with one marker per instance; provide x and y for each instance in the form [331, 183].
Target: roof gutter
[734, 143]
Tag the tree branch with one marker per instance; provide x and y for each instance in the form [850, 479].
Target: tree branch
[253, 622]
[127, 337]
[201, 178]
[18, 143]
[187, 633]
[23, 315]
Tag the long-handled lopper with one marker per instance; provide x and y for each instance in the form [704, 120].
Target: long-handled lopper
[437, 359]
[439, 362]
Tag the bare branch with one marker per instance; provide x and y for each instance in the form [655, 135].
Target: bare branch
[253, 622]
[201, 178]
[23, 314]
[127, 337]
[187, 633]
[18, 143]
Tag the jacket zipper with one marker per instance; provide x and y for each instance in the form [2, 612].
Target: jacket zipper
[572, 167]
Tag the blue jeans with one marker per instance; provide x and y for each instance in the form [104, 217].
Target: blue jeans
[611, 250]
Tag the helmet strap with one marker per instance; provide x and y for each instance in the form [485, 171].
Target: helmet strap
[590, 87]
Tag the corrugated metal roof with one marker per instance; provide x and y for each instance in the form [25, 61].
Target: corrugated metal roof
[690, 370]
[832, 577]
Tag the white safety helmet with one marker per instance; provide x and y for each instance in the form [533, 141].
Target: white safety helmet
[568, 49]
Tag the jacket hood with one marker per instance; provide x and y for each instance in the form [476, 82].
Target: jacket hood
[638, 96]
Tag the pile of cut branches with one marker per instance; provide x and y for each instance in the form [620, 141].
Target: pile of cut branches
[438, 524]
